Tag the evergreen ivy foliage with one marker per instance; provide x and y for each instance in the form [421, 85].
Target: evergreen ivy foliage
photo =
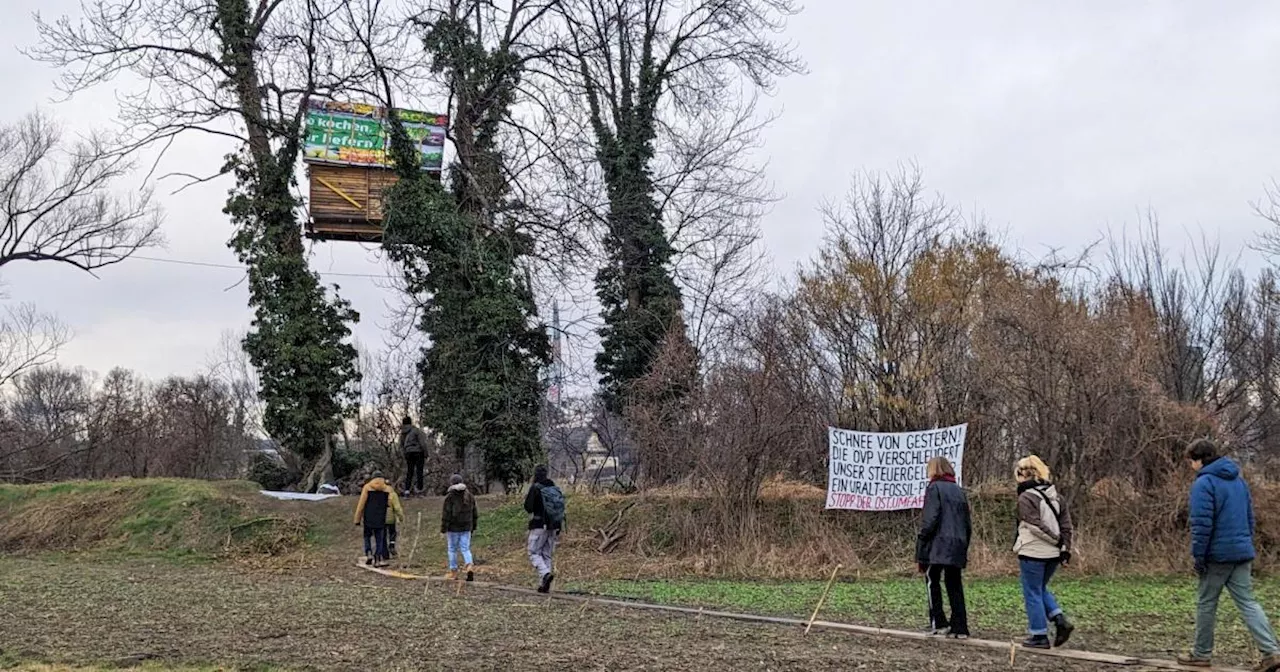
[461, 257]
[299, 338]
[640, 303]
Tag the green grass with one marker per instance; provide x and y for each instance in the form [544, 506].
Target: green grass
[500, 526]
[506, 525]
[1112, 613]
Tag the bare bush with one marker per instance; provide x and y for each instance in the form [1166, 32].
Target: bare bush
[62, 424]
[908, 319]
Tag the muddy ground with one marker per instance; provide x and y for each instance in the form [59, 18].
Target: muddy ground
[121, 613]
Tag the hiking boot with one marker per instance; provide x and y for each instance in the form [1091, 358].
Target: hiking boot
[471, 574]
[1063, 630]
[1269, 664]
[451, 575]
[1036, 642]
[545, 585]
[1193, 660]
[368, 560]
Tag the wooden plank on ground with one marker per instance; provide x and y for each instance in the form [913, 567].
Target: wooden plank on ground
[1069, 654]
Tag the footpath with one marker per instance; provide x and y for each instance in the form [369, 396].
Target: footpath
[1014, 650]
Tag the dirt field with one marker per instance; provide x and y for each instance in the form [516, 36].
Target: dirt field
[159, 585]
[66, 611]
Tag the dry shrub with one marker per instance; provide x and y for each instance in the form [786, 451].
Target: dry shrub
[270, 536]
[778, 487]
[1120, 529]
[150, 515]
[67, 523]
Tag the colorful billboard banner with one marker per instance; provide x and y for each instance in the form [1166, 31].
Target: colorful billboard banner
[356, 134]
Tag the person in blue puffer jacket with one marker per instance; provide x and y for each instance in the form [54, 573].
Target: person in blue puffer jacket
[1222, 547]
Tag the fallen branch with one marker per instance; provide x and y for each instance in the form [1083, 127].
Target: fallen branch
[822, 599]
[613, 532]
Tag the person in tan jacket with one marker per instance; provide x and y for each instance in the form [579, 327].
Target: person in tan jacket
[372, 512]
[1043, 544]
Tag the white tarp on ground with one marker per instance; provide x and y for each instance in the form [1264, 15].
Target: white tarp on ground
[306, 496]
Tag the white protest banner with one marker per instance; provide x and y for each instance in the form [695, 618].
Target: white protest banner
[886, 472]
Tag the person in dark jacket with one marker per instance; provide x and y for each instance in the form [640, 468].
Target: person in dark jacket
[543, 530]
[371, 512]
[1222, 528]
[458, 520]
[942, 548]
[413, 443]
[395, 516]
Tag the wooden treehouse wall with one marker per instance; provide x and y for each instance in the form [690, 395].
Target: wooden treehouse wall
[346, 201]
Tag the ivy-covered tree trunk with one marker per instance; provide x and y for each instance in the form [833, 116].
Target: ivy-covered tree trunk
[298, 341]
[640, 302]
[459, 250]
[658, 77]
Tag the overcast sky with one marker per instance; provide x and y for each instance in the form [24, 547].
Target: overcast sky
[1056, 121]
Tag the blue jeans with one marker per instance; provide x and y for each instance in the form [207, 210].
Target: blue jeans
[1237, 578]
[1040, 603]
[375, 543]
[459, 543]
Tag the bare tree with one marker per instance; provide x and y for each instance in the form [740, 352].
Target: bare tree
[57, 424]
[49, 407]
[230, 365]
[658, 86]
[60, 199]
[29, 339]
[888, 297]
[246, 71]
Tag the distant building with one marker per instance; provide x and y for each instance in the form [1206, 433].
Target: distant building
[577, 457]
[265, 447]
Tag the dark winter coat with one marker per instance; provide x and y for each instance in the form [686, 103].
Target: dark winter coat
[460, 511]
[412, 440]
[946, 529]
[533, 505]
[1221, 514]
[374, 504]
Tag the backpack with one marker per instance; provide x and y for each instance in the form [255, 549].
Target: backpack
[552, 506]
[1045, 503]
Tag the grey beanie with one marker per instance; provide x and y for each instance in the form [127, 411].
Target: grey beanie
[455, 479]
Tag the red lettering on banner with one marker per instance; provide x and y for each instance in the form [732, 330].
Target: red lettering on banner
[845, 500]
